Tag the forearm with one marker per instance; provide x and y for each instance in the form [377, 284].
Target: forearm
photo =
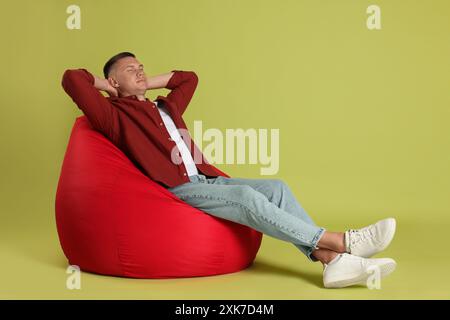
[159, 81]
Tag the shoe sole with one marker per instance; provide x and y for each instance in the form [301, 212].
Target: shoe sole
[385, 270]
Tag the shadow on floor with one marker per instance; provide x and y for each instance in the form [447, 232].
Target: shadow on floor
[265, 267]
[314, 278]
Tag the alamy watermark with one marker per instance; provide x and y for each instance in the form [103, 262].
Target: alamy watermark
[219, 147]
[374, 279]
[73, 281]
[73, 21]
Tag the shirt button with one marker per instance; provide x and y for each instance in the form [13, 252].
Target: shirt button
[184, 174]
[160, 123]
[170, 139]
[153, 106]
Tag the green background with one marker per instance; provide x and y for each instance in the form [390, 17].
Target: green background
[363, 118]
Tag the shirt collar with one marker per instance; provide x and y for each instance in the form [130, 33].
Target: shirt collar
[132, 97]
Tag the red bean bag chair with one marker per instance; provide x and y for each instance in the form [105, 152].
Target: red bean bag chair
[114, 220]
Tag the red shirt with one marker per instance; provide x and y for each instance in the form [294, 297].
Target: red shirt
[136, 127]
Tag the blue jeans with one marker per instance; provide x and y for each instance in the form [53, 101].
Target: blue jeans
[266, 205]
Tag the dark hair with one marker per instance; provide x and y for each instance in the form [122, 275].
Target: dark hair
[110, 62]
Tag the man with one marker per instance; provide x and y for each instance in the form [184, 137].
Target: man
[149, 132]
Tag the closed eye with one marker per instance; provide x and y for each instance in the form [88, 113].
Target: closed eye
[128, 70]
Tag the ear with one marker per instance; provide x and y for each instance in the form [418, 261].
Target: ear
[113, 82]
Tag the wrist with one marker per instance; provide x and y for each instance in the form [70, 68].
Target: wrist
[99, 83]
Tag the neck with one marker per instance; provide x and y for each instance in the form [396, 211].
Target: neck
[140, 97]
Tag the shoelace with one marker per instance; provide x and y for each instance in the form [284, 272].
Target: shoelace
[357, 236]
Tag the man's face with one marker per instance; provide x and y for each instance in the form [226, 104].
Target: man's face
[128, 77]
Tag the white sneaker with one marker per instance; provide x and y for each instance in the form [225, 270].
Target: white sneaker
[370, 240]
[347, 270]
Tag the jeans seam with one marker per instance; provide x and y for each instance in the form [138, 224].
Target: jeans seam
[249, 210]
[317, 237]
[315, 240]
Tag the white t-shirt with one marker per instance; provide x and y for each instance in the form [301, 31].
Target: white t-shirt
[181, 144]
